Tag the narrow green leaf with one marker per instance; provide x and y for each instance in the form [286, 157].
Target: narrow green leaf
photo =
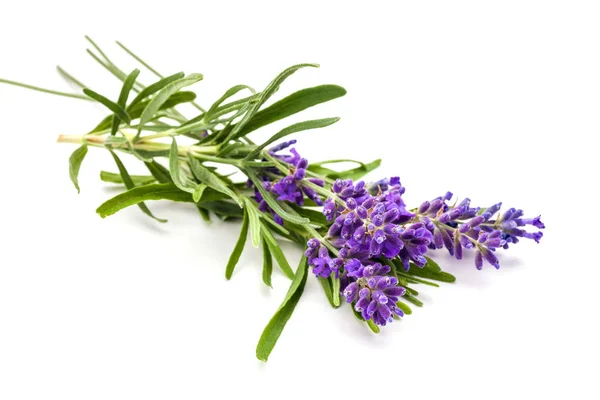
[204, 214]
[431, 265]
[267, 264]
[254, 219]
[411, 291]
[75, 161]
[138, 59]
[274, 225]
[231, 92]
[163, 95]
[413, 300]
[259, 164]
[130, 185]
[123, 96]
[300, 126]
[277, 252]
[69, 77]
[337, 161]
[138, 180]
[292, 104]
[162, 191]
[413, 279]
[315, 217]
[372, 326]
[359, 172]
[263, 97]
[198, 191]
[436, 276]
[354, 173]
[205, 176]
[293, 218]
[112, 106]
[223, 208]
[239, 247]
[136, 111]
[159, 172]
[44, 90]
[404, 307]
[335, 290]
[326, 284]
[273, 330]
[180, 179]
[155, 87]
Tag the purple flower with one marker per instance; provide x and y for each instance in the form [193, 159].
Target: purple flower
[375, 294]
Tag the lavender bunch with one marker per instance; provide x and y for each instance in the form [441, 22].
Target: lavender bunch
[361, 241]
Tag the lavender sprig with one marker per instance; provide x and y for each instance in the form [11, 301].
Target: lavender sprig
[361, 240]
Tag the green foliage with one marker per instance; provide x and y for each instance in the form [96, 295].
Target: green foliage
[239, 247]
[219, 136]
[273, 330]
[138, 180]
[75, 164]
[292, 104]
[299, 127]
[129, 184]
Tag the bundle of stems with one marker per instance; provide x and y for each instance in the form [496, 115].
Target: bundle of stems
[281, 196]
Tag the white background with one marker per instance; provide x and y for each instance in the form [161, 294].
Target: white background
[497, 101]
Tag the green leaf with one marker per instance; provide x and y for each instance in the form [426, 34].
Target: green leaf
[205, 176]
[267, 264]
[254, 219]
[198, 191]
[138, 180]
[122, 102]
[372, 326]
[277, 252]
[231, 92]
[162, 191]
[159, 172]
[114, 107]
[404, 307]
[204, 214]
[263, 97]
[75, 161]
[273, 330]
[292, 104]
[431, 265]
[163, 95]
[300, 126]
[326, 284]
[411, 291]
[239, 247]
[155, 87]
[413, 300]
[354, 173]
[315, 217]
[136, 111]
[335, 290]
[293, 218]
[179, 177]
[436, 276]
[224, 208]
[130, 185]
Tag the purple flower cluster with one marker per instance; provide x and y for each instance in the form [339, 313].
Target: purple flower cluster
[371, 229]
[368, 225]
[373, 292]
[371, 225]
[292, 187]
[461, 226]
